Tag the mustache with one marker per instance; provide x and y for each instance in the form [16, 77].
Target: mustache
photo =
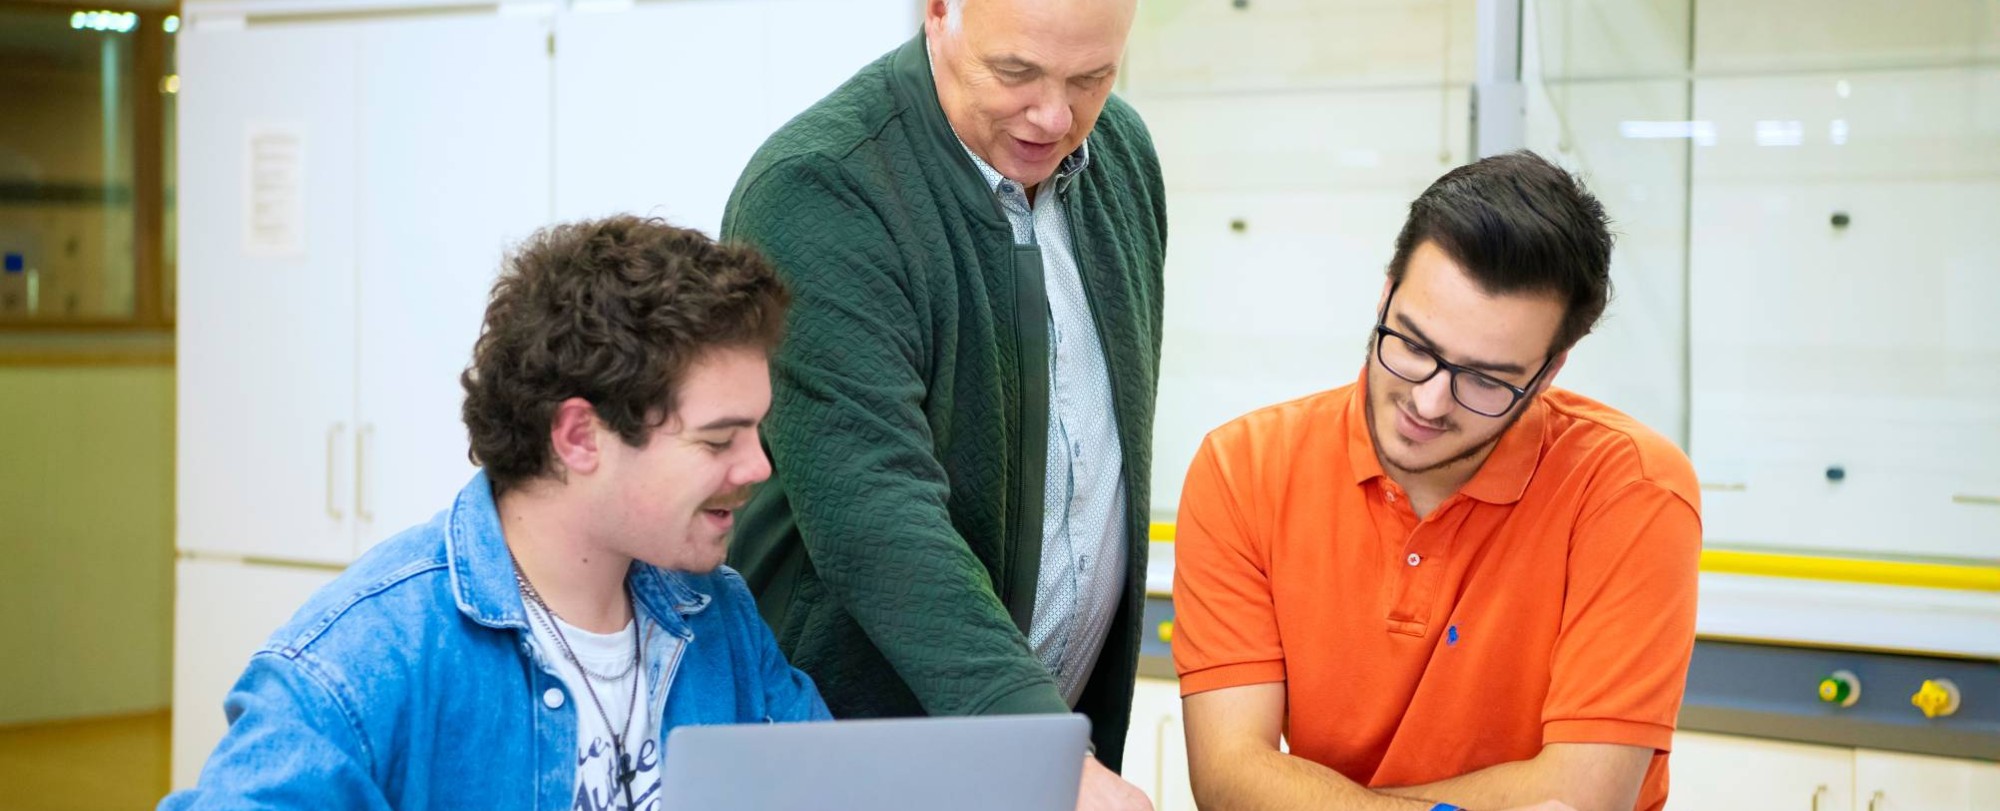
[732, 500]
[1402, 405]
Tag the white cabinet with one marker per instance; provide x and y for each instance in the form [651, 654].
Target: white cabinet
[318, 379]
[1156, 746]
[1722, 773]
[1892, 781]
[223, 612]
[455, 171]
[266, 339]
[659, 106]
[1727, 773]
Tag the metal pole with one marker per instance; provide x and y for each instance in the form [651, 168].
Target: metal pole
[1499, 104]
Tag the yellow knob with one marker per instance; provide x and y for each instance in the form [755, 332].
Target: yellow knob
[1167, 631]
[1936, 698]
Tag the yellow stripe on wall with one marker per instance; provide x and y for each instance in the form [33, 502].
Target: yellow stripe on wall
[1962, 577]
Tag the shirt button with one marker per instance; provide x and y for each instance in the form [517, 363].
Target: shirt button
[552, 699]
[1415, 558]
[1389, 495]
[1006, 188]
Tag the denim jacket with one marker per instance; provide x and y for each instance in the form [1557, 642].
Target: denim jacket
[413, 681]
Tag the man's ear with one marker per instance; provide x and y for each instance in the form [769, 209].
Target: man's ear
[573, 435]
[934, 13]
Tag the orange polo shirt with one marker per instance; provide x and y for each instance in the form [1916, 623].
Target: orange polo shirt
[1551, 600]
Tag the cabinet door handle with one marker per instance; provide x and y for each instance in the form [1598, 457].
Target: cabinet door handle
[333, 433]
[361, 472]
[1876, 801]
[1817, 794]
[1160, 761]
[1975, 498]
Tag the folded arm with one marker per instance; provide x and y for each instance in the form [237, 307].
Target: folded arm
[1235, 765]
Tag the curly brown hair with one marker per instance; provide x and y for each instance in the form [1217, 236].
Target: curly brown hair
[613, 311]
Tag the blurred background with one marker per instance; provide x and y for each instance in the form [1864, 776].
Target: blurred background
[246, 246]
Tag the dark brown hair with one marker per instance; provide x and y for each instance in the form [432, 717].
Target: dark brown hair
[613, 311]
[1518, 224]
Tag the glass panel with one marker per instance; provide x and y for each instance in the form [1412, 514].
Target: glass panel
[1805, 206]
[1292, 135]
[1788, 35]
[80, 93]
[1608, 39]
[1295, 44]
[1608, 98]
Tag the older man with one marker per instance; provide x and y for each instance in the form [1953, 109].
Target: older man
[975, 230]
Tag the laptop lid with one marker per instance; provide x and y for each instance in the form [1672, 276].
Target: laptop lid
[990, 763]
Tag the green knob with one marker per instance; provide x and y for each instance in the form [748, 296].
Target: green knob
[1840, 687]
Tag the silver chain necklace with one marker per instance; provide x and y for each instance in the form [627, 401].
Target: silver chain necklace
[608, 678]
[625, 773]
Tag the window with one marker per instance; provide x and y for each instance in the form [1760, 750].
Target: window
[86, 168]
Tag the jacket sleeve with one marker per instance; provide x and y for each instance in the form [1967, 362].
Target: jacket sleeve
[787, 693]
[289, 745]
[854, 451]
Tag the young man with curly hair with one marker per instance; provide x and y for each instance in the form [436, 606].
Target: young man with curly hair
[533, 644]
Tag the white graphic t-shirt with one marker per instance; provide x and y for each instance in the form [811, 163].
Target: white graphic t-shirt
[605, 655]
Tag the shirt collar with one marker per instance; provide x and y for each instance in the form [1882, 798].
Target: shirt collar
[1501, 479]
[482, 572]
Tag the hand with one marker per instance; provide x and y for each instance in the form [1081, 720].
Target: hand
[1104, 790]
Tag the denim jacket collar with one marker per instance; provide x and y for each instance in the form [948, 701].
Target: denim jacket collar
[482, 573]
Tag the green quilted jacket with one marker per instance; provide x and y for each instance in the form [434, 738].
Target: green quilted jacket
[895, 549]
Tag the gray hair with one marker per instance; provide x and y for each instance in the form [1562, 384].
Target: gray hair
[954, 15]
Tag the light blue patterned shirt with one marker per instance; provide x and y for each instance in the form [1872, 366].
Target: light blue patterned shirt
[1083, 502]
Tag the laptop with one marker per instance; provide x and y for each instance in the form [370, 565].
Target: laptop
[990, 763]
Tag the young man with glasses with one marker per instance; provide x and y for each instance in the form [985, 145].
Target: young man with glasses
[1447, 584]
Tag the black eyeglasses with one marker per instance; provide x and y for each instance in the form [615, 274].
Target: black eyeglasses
[1479, 392]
